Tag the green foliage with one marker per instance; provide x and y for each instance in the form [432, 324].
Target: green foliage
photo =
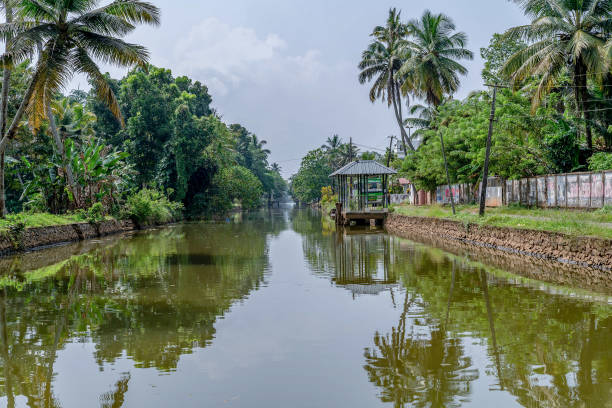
[522, 145]
[95, 213]
[312, 176]
[149, 206]
[561, 146]
[328, 198]
[600, 161]
[237, 183]
[496, 54]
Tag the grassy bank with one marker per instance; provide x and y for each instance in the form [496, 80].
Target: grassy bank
[28, 220]
[570, 222]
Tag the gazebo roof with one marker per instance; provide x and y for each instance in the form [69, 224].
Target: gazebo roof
[363, 167]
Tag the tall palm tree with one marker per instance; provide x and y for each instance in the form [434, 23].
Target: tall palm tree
[347, 153]
[68, 37]
[332, 149]
[381, 61]
[563, 34]
[332, 143]
[431, 69]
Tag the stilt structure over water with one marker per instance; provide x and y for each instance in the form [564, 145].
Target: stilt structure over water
[363, 192]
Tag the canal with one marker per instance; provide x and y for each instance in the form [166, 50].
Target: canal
[277, 309]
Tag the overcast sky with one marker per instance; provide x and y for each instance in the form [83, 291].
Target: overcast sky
[287, 69]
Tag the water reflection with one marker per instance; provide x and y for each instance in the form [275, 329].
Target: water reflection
[153, 297]
[544, 350]
[391, 322]
[542, 346]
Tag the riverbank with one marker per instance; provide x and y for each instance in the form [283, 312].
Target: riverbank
[23, 239]
[590, 252]
[575, 223]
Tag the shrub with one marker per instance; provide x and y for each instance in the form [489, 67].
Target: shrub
[149, 206]
[600, 161]
[95, 213]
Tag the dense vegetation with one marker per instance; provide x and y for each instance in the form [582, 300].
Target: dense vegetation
[148, 146]
[554, 103]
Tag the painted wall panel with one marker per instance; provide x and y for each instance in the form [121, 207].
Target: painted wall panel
[597, 190]
[551, 190]
[561, 191]
[584, 190]
[572, 191]
[608, 187]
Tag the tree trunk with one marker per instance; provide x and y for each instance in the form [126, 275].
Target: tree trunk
[450, 189]
[401, 117]
[3, 210]
[6, 83]
[60, 147]
[394, 92]
[581, 94]
[12, 130]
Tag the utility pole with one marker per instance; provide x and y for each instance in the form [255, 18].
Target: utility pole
[450, 189]
[350, 160]
[390, 145]
[409, 136]
[485, 170]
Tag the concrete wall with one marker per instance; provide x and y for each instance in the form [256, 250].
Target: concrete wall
[572, 190]
[462, 194]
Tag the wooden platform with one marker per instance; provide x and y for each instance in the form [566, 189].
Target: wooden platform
[364, 216]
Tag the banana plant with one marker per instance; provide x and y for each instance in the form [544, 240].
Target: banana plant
[100, 173]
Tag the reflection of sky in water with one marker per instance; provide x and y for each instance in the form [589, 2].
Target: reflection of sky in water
[296, 331]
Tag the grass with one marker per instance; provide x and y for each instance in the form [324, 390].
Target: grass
[570, 222]
[30, 220]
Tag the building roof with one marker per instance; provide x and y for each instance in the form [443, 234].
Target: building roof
[363, 167]
[403, 181]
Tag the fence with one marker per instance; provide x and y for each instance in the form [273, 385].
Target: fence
[462, 194]
[570, 190]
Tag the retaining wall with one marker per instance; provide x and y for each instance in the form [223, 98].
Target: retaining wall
[31, 238]
[583, 251]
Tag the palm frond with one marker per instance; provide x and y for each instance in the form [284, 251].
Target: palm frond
[84, 64]
[134, 12]
[112, 50]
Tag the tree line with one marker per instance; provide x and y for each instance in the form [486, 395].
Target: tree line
[554, 99]
[145, 143]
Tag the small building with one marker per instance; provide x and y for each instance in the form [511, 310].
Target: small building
[407, 195]
[363, 191]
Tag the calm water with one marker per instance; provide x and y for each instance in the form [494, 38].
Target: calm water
[278, 310]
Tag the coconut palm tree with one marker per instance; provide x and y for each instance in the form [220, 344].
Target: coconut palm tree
[275, 167]
[332, 143]
[381, 61]
[564, 34]
[68, 37]
[430, 69]
[332, 149]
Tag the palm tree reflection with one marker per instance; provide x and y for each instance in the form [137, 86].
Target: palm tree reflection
[419, 364]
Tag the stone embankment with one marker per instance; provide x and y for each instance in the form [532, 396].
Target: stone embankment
[595, 253]
[31, 238]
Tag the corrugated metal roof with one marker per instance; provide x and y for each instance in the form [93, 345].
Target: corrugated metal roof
[363, 167]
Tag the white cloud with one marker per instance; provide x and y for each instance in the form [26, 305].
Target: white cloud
[227, 56]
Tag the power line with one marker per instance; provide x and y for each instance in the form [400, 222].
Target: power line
[369, 147]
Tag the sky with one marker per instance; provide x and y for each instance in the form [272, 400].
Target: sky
[287, 69]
